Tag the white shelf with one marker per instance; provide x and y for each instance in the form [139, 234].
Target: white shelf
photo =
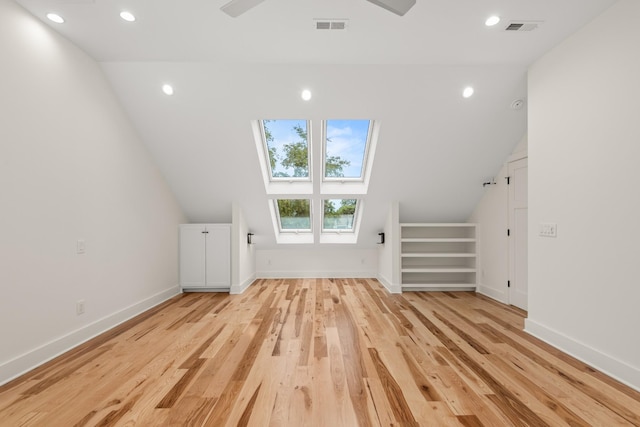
[436, 240]
[439, 256]
[438, 224]
[438, 286]
[438, 270]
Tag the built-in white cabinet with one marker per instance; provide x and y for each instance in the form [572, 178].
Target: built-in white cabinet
[205, 257]
[438, 256]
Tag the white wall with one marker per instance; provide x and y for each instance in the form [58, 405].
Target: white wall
[243, 255]
[71, 167]
[338, 261]
[584, 146]
[389, 253]
[492, 216]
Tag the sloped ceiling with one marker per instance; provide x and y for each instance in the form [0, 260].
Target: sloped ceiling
[435, 148]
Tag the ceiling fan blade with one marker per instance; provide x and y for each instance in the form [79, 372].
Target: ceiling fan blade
[236, 8]
[399, 7]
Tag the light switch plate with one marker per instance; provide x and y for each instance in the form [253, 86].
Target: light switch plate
[80, 246]
[548, 229]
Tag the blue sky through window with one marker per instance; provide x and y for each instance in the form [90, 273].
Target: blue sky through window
[347, 139]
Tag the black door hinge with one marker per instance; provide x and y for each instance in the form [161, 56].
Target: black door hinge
[508, 283]
[508, 180]
[508, 232]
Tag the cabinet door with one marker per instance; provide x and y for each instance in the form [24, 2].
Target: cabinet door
[192, 256]
[218, 256]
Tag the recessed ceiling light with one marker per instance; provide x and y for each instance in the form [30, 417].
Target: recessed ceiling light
[55, 18]
[127, 16]
[167, 89]
[492, 20]
[306, 94]
[467, 92]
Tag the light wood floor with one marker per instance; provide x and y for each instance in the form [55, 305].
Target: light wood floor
[323, 353]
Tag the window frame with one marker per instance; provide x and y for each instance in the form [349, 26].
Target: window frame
[315, 188]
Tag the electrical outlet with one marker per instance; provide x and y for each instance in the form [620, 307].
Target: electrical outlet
[548, 229]
[80, 307]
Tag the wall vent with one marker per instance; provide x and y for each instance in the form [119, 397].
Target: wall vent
[330, 24]
[523, 25]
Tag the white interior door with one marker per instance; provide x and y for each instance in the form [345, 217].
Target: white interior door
[518, 213]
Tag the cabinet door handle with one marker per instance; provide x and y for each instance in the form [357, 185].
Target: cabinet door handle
[205, 232]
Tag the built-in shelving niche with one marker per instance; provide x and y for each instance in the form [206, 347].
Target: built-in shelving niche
[438, 256]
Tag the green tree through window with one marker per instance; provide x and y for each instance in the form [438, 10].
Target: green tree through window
[293, 157]
[339, 214]
[295, 214]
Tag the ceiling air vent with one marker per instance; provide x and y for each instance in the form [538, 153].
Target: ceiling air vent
[523, 25]
[330, 24]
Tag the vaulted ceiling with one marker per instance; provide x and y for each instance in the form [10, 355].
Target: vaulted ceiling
[435, 147]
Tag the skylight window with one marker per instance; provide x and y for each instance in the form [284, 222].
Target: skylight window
[322, 200]
[339, 215]
[287, 146]
[346, 146]
[294, 215]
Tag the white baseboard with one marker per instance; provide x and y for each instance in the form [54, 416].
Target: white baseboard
[237, 290]
[315, 274]
[492, 293]
[26, 362]
[418, 288]
[394, 289]
[609, 365]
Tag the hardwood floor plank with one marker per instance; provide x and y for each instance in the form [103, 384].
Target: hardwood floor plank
[114, 416]
[630, 410]
[463, 400]
[399, 406]
[68, 370]
[45, 369]
[319, 352]
[354, 369]
[509, 404]
[380, 407]
[555, 405]
[176, 391]
[197, 354]
[465, 336]
[248, 410]
[194, 411]
[469, 421]
[427, 389]
[338, 397]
